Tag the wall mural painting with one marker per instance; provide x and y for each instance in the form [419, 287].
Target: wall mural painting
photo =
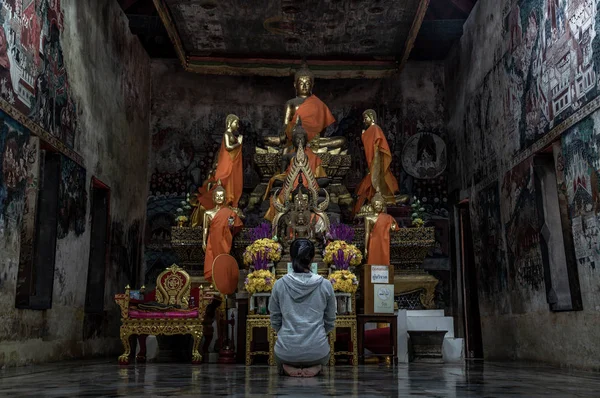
[552, 64]
[492, 273]
[582, 167]
[522, 227]
[33, 77]
[424, 156]
[14, 167]
[72, 199]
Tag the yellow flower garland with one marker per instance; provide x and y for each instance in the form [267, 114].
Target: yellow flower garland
[332, 250]
[266, 246]
[344, 281]
[259, 281]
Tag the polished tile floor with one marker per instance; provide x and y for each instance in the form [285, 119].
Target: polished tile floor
[105, 378]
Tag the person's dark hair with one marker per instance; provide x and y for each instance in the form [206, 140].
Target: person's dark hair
[302, 252]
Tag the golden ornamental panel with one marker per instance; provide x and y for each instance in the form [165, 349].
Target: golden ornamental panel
[260, 321]
[344, 321]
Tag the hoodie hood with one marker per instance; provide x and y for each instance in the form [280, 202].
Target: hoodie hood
[301, 285]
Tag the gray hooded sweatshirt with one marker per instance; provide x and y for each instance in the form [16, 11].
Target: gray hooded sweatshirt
[302, 308]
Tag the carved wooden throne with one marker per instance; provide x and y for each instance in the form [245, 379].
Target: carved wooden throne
[174, 311]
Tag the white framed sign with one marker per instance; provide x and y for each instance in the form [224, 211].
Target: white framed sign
[380, 274]
[313, 268]
[383, 302]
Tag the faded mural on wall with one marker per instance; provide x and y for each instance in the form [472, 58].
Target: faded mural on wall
[581, 155]
[72, 198]
[33, 77]
[522, 227]
[492, 273]
[14, 150]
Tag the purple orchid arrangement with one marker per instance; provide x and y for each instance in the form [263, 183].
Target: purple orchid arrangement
[260, 232]
[341, 262]
[339, 231]
[261, 261]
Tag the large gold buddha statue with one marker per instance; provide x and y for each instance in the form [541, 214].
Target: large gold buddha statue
[316, 117]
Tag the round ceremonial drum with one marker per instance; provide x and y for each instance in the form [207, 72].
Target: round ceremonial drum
[225, 273]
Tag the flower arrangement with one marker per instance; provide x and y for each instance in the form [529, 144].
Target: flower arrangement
[339, 231]
[418, 213]
[342, 254]
[259, 281]
[344, 281]
[261, 231]
[261, 252]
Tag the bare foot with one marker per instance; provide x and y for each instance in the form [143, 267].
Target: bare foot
[312, 371]
[292, 371]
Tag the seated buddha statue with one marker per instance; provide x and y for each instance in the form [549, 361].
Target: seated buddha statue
[316, 117]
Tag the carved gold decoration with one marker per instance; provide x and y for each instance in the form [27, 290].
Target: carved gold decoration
[344, 321]
[409, 246]
[187, 245]
[411, 282]
[173, 287]
[174, 290]
[259, 321]
[268, 165]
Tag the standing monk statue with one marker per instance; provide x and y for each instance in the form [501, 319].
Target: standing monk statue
[379, 158]
[228, 170]
[378, 225]
[221, 223]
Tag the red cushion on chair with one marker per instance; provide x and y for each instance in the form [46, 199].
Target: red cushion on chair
[137, 314]
[378, 340]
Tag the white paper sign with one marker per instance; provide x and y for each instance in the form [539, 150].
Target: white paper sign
[380, 274]
[313, 268]
[384, 299]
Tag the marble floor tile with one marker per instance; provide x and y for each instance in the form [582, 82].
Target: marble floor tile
[104, 378]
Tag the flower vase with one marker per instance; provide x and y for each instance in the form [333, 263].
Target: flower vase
[344, 303]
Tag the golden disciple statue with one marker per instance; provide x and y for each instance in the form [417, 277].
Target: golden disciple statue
[220, 224]
[379, 158]
[228, 170]
[378, 225]
[316, 116]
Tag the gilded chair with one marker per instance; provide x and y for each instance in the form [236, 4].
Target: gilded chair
[174, 310]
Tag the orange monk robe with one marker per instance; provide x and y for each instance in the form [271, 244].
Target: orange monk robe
[379, 240]
[315, 116]
[374, 140]
[220, 237]
[231, 174]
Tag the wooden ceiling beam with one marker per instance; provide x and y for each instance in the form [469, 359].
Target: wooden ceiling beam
[414, 31]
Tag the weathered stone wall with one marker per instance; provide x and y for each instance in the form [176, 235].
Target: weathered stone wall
[91, 91]
[525, 74]
[188, 120]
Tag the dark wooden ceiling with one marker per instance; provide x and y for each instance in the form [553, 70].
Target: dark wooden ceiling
[344, 29]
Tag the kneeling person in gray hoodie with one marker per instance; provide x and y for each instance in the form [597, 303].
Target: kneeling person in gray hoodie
[302, 308]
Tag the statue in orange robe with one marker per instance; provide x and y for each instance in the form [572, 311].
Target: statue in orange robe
[379, 158]
[228, 170]
[315, 115]
[378, 226]
[221, 223]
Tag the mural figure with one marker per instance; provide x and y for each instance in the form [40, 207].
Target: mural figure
[424, 156]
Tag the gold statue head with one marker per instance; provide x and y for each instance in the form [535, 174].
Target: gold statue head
[304, 81]
[378, 203]
[369, 117]
[232, 122]
[219, 195]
